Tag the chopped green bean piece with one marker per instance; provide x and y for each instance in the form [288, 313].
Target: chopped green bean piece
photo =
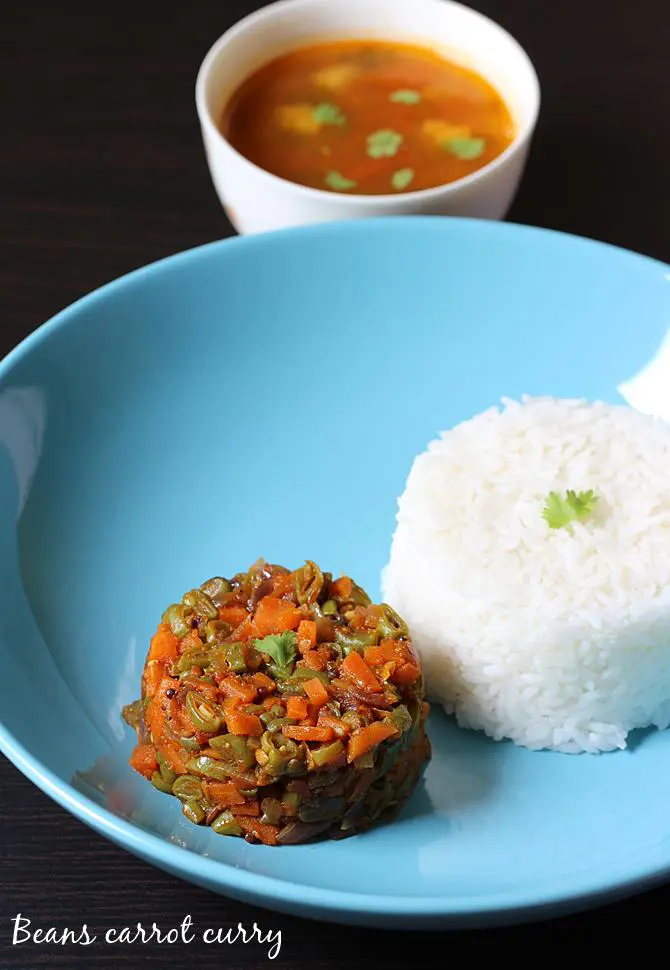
[205, 716]
[308, 583]
[132, 714]
[186, 787]
[350, 640]
[217, 630]
[176, 618]
[291, 801]
[193, 811]
[166, 771]
[273, 712]
[365, 761]
[193, 657]
[210, 768]
[200, 603]
[391, 625]
[189, 743]
[301, 674]
[160, 783]
[231, 747]
[217, 589]
[225, 824]
[235, 656]
[401, 718]
[327, 752]
[280, 751]
[278, 723]
[272, 811]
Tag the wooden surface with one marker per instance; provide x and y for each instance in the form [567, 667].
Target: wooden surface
[101, 171]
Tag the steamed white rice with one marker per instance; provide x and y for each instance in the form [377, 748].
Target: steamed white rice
[555, 638]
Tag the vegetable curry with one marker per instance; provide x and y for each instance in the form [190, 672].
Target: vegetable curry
[281, 706]
[368, 118]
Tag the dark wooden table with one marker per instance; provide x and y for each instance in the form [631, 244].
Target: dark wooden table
[102, 170]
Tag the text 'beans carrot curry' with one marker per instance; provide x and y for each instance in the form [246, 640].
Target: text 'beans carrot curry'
[368, 118]
[281, 706]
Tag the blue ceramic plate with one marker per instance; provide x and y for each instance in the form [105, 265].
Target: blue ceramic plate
[265, 396]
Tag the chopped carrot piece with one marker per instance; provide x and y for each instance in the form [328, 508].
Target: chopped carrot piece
[231, 703]
[234, 615]
[341, 587]
[143, 759]
[311, 716]
[368, 738]
[262, 682]
[263, 831]
[304, 732]
[357, 621]
[189, 641]
[357, 670]
[235, 686]
[275, 616]
[406, 674]
[316, 692]
[306, 635]
[247, 725]
[372, 615]
[316, 659]
[296, 707]
[244, 630]
[385, 672]
[155, 719]
[396, 650]
[223, 793]
[164, 644]
[375, 655]
[174, 755]
[283, 584]
[340, 727]
[152, 677]
[250, 808]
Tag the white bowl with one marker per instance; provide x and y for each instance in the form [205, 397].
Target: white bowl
[257, 201]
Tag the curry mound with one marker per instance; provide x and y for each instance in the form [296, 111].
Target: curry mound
[282, 707]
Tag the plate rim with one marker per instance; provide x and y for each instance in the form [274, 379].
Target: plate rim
[345, 227]
[507, 905]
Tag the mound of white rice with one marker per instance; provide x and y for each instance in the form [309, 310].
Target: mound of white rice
[556, 638]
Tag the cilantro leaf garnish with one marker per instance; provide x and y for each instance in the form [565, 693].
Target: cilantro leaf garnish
[337, 181]
[282, 647]
[384, 143]
[402, 178]
[575, 507]
[465, 148]
[405, 96]
[327, 113]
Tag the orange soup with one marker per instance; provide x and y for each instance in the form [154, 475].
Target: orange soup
[367, 117]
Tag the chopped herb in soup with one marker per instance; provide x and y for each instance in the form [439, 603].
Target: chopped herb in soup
[367, 118]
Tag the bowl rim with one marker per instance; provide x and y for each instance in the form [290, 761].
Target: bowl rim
[253, 20]
[572, 892]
